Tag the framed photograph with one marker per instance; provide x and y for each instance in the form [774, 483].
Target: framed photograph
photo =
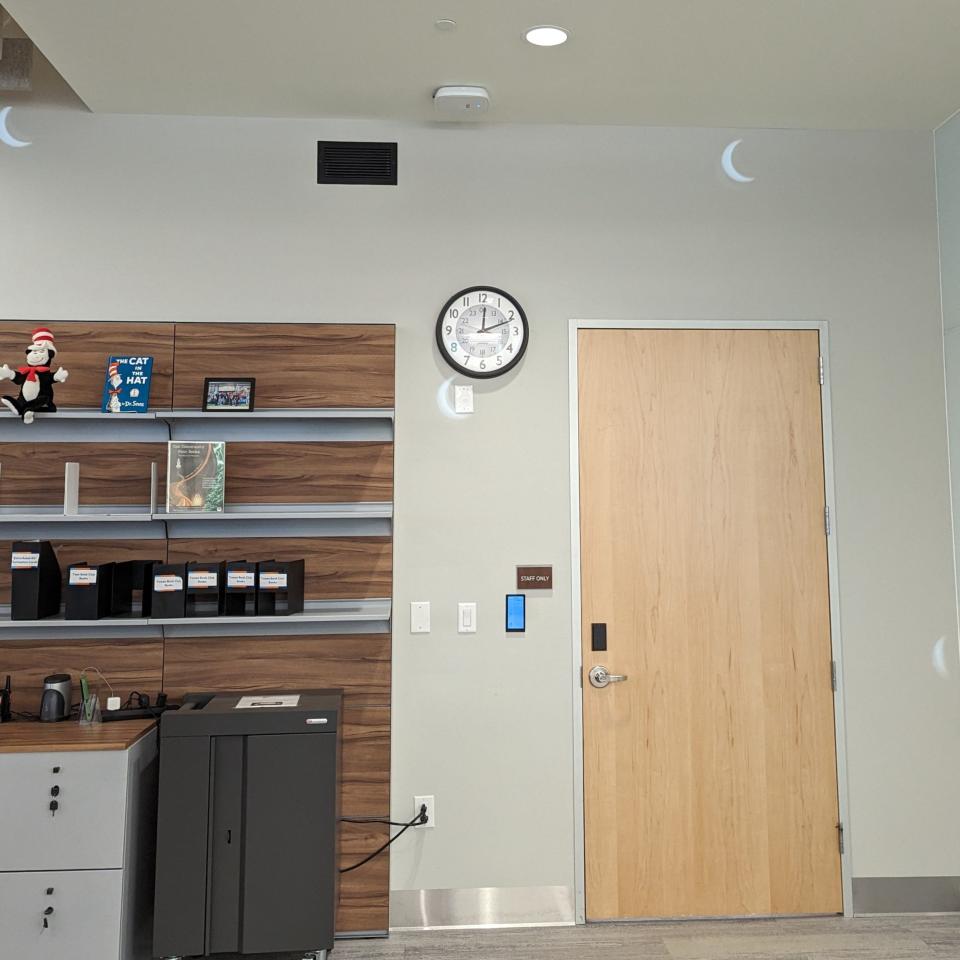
[228, 395]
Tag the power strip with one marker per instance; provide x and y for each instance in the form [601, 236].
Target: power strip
[135, 713]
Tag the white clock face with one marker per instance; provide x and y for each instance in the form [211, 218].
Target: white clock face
[482, 332]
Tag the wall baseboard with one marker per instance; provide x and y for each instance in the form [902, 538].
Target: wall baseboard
[481, 907]
[906, 895]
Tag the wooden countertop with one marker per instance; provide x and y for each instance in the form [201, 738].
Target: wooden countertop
[31, 736]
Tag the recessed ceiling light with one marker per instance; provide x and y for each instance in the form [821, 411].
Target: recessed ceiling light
[445, 25]
[546, 36]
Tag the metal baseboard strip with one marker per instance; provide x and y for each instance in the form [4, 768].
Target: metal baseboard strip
[362, 935]
[892, 895]
[481, 907]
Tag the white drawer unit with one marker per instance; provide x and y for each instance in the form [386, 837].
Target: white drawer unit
[50, 915]
[63, 811]
[77, 835]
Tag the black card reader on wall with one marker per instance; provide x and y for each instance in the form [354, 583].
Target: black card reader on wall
[516, 613]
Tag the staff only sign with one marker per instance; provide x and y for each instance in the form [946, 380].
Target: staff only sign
[535, 578]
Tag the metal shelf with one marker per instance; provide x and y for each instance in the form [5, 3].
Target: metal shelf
[240, 512]
[320, 511]
[319, 616]
[89, 413]
[87, 515]
[278, 413]
[281, 413]
[86, 425]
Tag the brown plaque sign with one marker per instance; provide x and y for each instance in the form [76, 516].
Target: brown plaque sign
[534, 578]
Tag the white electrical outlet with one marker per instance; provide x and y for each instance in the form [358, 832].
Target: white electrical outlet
[431, 805]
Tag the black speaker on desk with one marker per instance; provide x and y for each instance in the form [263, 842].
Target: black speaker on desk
[89, 590]
[279, 587]
[168, 590]
[35, 581]
[240, 589]
[204, 589]
[132, 577]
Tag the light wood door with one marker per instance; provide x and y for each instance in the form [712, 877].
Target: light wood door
[710, 773]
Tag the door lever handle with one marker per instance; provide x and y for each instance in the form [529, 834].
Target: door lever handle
[601, 677]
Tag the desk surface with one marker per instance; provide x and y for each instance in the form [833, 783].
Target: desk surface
[31, 736]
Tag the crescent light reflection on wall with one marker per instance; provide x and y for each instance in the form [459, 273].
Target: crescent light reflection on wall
[727, 161]
[5, 135]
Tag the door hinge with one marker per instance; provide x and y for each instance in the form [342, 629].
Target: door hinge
[833, 675]
[827, 524]
[581, 676]
[840, 837]
[821, 369]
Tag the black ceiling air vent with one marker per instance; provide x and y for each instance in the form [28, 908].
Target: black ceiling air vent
[345, 161]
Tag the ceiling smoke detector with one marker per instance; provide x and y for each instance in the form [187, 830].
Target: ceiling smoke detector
[461, 103]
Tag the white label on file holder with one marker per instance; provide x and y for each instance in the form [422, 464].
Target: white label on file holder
[273, 581]
[24, 561]
[82, 576]
[202, 578]
[167, 583]
[241, 578]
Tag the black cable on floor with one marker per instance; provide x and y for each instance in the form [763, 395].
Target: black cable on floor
[420, 818]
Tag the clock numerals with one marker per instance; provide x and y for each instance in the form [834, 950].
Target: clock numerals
[482, 332]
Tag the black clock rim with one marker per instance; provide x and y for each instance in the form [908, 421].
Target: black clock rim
[479, 374]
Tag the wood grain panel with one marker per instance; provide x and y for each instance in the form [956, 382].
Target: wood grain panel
[357, 663]
[128, 664]
[32, 473]
[364, 894]
[309, 472]
[80, 551]
[83, 349]
[320, 365]
[712, 768]
[336, 567]
[366, 760]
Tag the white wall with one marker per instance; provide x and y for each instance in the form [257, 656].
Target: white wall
[206, 219]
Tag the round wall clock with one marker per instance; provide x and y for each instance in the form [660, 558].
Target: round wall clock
[482, 332]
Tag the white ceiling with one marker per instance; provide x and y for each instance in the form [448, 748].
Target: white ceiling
[848, 64]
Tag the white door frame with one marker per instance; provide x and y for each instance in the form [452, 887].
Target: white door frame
[830, 494]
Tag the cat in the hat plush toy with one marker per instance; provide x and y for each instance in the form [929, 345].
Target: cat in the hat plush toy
[35, 380]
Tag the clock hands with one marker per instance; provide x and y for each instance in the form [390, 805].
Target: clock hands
[502, 323]
[483, 325]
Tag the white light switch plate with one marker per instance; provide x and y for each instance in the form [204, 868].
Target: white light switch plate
[466, 618]
[420, 616]
[463, 398]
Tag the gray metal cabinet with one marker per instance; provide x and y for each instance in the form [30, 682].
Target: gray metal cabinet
[247, 827]
[85, 867]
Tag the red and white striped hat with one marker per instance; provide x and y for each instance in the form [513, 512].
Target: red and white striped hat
[42, 335]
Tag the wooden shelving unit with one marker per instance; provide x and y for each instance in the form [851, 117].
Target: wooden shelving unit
[309, 474]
